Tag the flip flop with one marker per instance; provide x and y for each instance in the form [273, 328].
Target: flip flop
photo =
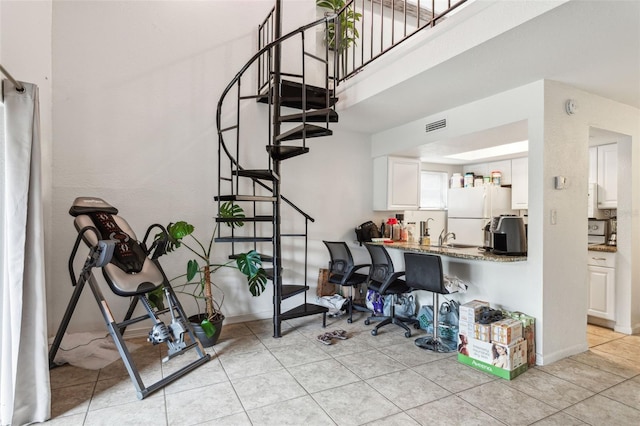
[339, 334]
[325, 338]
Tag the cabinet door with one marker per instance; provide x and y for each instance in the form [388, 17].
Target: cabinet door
[404, 183]
[608, 176]
[602, 292]
[593, 164]
[520, 183]
[396, 183]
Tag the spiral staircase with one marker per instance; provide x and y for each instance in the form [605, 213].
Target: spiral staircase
[257, 187]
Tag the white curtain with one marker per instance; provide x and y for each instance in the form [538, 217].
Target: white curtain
[24, 368]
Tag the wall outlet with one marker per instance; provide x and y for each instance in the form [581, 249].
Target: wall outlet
[553, 216]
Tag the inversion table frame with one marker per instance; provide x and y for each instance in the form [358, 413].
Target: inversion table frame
[135, 285]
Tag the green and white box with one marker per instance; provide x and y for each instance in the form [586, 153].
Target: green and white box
[506, 361]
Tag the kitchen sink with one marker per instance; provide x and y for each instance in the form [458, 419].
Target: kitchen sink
[455, 245]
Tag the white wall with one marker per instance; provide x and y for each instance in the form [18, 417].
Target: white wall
[567, 154]
[135, 91]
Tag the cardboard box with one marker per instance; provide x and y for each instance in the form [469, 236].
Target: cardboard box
[487, 356]
[469, 311]
[528, 332]
[324, 287]
[466, 328]
[506, 331]
[492, 369]
[482, 332]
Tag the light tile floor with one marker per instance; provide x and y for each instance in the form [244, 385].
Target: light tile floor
[254, 379]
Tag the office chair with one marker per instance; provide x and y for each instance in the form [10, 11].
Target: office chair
[424, 272]
[342, 272]
[132, 272]
[387, 282]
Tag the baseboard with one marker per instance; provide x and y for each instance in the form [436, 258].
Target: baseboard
[564, 353]
[601, 322]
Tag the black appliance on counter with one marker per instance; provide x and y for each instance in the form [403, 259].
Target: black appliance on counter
[509, 235]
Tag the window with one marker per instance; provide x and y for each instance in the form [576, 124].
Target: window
[433, 190]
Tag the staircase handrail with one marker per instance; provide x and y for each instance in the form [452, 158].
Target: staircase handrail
[239, 75]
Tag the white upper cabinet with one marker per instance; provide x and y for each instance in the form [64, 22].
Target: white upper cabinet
[593, 164]
[396, 183]
[520, 183]
[607, 176]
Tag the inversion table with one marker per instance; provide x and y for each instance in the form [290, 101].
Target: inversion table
[130, 272]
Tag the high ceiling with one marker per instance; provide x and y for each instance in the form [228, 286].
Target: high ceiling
[591, 45]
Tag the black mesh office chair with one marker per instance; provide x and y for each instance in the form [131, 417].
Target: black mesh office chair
[342, 272]
[424, 272]
[387, 282]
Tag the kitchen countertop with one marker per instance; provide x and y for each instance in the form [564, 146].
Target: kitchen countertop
[603, 247]
[473, 253]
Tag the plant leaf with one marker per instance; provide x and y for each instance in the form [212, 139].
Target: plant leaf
[179, 230]
[208, 327]
[192, 269]
[156, 298]
[257, 282]
[228, 210]
[250, 265]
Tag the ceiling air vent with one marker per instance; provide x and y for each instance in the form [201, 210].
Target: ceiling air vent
[436, 125]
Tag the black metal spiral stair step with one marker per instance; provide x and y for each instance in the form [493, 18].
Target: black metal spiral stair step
[304, 130]
[291, 96]
[265, 258]
[242, 239]
[244, 219]
[303, 311]
[290, 290]
[244, 198]
[282, 152]
[325, 115]
[263, 174]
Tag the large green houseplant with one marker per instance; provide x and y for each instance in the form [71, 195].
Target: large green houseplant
[198, 280]
[346, 22]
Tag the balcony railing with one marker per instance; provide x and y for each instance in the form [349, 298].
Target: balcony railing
[364, 30]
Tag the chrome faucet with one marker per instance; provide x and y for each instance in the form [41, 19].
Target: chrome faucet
[444, 237]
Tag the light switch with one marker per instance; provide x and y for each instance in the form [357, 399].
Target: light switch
[560, 182]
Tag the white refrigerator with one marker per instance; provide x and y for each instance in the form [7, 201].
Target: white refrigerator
[469, 210]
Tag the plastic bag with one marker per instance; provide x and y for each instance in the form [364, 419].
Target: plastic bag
[405, 306]
[425, 318]
[375, 302]
[448, 318]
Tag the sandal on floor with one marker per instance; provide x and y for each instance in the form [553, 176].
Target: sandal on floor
[325, 338]
[339, 334]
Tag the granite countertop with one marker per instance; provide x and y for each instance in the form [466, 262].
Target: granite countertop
[603, 247]
[473, 253]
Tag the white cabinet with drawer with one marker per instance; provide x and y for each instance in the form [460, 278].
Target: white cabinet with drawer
[602, 284]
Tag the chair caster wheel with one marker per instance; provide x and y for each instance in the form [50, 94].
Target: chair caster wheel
[367, 322]
[416, 326]
[374, 332]
[349, 320]
[407, 334]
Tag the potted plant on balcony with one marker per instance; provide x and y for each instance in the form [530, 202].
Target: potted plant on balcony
[200, 271]
[341, 33]
[346, 22]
